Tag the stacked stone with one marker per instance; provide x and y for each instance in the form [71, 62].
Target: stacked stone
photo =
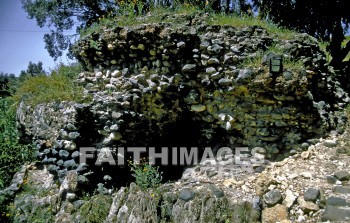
[144, 80]
[159, 73]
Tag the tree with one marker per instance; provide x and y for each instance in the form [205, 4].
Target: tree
[64, 15]
[327, 20]
[5, 79]
[33, 69]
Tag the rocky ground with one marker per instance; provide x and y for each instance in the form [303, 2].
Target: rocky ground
[312, 186]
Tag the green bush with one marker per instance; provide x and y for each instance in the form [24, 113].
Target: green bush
[12, 153]
[146, 175]
[59, 86]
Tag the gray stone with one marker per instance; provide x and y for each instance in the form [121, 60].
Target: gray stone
[189, 68]
[342, 189]
[83, 180]
[211, 173]
[311, 194]
[210, 70]
[69, 164]
[60, 163]
[186, 194]
[218, 192]
[214, 49]
[82, 167]
[244, 76]
[46, 151]
[342, 175]
[63, 153]
[330, 143]
[337, 201]
[288, 75]
[333, 213]
[73, 135]
[213, 61]
[225, 81]
[71, 127]
[75, 154]
[272, 197]
[331, 179]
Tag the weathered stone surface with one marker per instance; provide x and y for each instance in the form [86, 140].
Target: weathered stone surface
[274, 214]
[272, 197]
[186, 194]
[334, 213]
[342, 189]
[342, 175]
[311, 194]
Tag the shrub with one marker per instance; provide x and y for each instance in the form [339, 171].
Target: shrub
[12, 153]
[146, 175]
[59, 86]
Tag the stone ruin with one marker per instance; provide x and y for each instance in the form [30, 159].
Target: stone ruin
[188, 85]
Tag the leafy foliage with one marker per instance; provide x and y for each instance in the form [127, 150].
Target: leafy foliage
[65, 15]
[327, 20]
[12, 153]
[5, 79]
[58, 86]
[146, 175]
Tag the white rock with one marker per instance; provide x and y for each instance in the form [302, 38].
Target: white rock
[289, 199]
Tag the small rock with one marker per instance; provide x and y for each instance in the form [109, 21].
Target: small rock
[337, 201]
[331, 179]
[218, 192]
[306, 175]
[333, 213]
[289, 199]
[186, 194]
[213, 61]
[211, 173]
[342, 189]
[225, 81]
[278, 213]
[330, 143]
[307, 206]
[189, 68]
[63, 153]
[69, 164]
[210, 70]
[214, 49]
[71, 197]
[75, 154]
[83, 180]
[110, 87]
[198, 108]
[305, 154]
[342, 175]
[311, 194]
[244, 76]
[272, 197]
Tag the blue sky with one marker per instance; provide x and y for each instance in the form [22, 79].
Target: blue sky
[21, 40]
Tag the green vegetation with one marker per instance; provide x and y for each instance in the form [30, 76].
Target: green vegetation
[146, 175]
[59, 86]
[96, 209]
[12, 153]
[244, 21]
[344, 147]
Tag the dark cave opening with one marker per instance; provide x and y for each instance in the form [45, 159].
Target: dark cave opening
[185, 133]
